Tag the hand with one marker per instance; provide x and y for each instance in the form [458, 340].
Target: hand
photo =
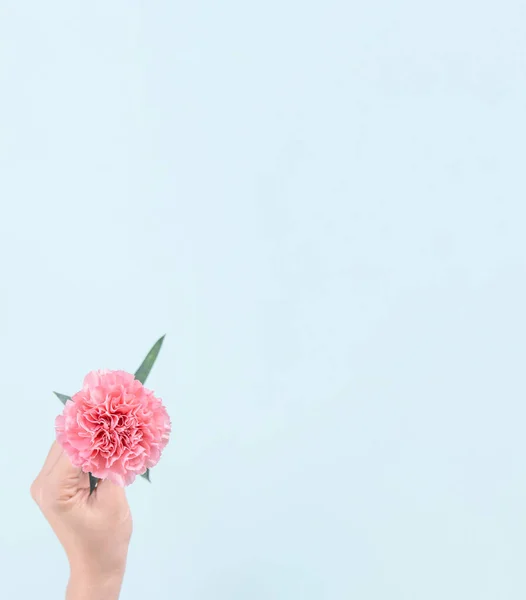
[94, 530]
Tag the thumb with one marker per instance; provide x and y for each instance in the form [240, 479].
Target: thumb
[109, 491]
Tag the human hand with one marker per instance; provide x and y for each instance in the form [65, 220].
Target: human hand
[94, 530]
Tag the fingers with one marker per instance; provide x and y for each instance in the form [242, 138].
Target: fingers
[62, 469]
[58, 465]
[83, 483]
[37, 487]
[53, 455]
[106, 489]
[59, 473]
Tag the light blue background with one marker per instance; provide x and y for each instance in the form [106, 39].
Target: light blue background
[323, 206]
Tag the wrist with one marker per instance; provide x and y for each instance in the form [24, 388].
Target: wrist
[102, 566]
[86, 585]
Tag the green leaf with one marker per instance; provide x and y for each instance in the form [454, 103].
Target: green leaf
[142, 373]
[62, 397]
[93, 481]
[144, 370]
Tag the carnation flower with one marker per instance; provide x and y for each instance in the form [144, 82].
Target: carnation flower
[114, 428]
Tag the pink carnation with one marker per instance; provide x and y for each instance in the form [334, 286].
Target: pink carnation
[114, 427]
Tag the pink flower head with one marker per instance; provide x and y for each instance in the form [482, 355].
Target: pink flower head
[114, 427]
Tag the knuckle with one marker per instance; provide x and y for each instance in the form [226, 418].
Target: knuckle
[35, 490]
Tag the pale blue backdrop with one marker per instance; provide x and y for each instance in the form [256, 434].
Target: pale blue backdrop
[323, 206]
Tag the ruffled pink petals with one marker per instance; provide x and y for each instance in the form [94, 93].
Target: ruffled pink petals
[114, 427]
